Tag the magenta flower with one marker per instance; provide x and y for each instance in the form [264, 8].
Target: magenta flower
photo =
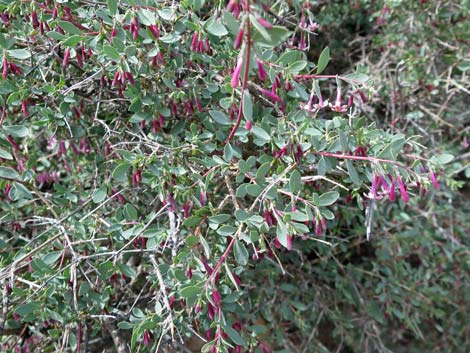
[433, 178]
[238, 39]
[270, 95]
[338, 107]
[195, 41]
[65, 61]
[264, 23]
[216, 298]
[261, 72]
[248, 125]
[404, 194]
[155, 31]
[236, 73]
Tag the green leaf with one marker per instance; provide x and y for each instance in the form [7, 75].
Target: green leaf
[234, 336]
[247, 106]
[227, 230]
[72, 41]
[120, 172]
[328, 198]
[443, 158]
[112, 6]
[295, 182]
[323, 60]
[219, 117]
[16, 130]
[111, 52]
[28, 308]
[353, 173]
[277, 35]
[100, 194]
[19, 54]
[9, 173]
[5, 154]
[217, 28]
[191, 291]
[281, 233]
[219, 219]
[69, 27]
[146, 17]
[241, 254]
[260, 133]
[52, 257]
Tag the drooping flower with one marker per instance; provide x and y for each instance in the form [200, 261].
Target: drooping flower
[264, 23]
[65, 61]
[270, 95]
[216, 297]
[236, 73]
[261, 72]
[238, 39]
[404, 194]
[155, 31]
[433, 178]
[338, 107]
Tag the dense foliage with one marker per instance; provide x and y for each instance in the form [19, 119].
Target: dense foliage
[236, 176]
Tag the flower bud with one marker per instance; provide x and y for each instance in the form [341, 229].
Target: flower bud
[433, 178]
[264, 23]
[261, 72]
[248, 125]
[65, 61]
[236, 73]
[238, 39]
[404, 194]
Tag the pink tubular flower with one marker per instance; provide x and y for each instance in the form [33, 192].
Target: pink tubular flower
[261, 72]
[5, 68]
[271, 95]
[154, 30]
[216, 298]
[238, 39]
[24, 108]
[404, 194]
[433, 178]
[248, 125]
[236, 73]
[65, 61]
[195, 41]
[264, 23]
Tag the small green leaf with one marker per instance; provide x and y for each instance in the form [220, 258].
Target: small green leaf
[191, 291]
[100, 194]
[353, 173]
[247, 106]
[120, 172]
[241, 254]
[69, 27]
[9, 173]
[19, 54]
[16, 130]
[217, 28]
[260, 133]
[234, 336]
[28, 308]
[5, 155]
[72, 41]
[220, 218]
[328, 198]
[282, 233]
[295, 182]
[226, 230]
[219, 117]
[323, 60]
[112, 6]
[111, 52]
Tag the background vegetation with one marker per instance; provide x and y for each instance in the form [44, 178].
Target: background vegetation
[173, 178]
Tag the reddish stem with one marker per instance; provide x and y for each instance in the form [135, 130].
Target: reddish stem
[221, 260]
